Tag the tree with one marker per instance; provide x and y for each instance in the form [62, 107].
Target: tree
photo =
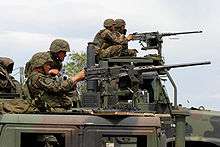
[75, 63]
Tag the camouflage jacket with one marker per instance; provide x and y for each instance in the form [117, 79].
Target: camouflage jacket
[7, 83]
[47, 91]
[56, 64]
[105, 38]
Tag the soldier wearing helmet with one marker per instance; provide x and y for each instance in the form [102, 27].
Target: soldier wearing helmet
[107, 43]
[57, 52]
[120, 26]
[48, 93]
[7, 83]
[109, 23]
[121, 30]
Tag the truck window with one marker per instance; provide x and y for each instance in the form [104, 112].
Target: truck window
[37, 136]
[124, 141]
[42, 140]
[120, 137]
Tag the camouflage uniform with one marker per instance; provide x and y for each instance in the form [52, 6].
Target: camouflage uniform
[56, 46]
[120, 26]
[7, 83]
[29, 67]
[109, 44]
[48, 93]
[15, 106]
[121, 30]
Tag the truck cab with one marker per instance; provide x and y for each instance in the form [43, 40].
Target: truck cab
[81, 130]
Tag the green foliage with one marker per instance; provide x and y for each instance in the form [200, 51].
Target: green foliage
[76, 62]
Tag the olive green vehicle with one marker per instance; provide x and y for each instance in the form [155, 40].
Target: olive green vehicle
[202, 128]
[74, 130]
[125, 105]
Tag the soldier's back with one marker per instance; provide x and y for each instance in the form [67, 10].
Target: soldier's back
[8, 84]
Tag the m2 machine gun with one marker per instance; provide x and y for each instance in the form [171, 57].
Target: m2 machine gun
[153, 40]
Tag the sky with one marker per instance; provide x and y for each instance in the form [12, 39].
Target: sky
[29, 26]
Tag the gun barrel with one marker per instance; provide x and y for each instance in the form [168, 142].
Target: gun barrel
[179, 33]
[168, 67]
[187, 64]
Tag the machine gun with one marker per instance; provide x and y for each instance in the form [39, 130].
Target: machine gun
[96, 73]
[153, 40]
[131, 81]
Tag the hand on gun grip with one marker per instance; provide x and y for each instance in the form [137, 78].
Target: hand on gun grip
[129, 37]
[79, 76]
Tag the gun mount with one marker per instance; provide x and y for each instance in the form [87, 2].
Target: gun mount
[133, 83]
[130, 83]
[153, 40]
[136, 84]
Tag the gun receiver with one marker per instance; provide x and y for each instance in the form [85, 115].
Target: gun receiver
[153, 40]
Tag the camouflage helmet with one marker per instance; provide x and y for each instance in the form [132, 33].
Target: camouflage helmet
[59, 45]
[119, 23]
[109, 22]
[39, 59]
[7, 63]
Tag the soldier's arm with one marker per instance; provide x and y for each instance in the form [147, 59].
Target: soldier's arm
[113, 38]
[78, 77]
[49, 84]
[52, 85]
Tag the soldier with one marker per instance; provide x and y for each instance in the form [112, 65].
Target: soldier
[48, 93]
[120, 26]
[120, 29]
[108, 43]
[57, 52]
[7, 83]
